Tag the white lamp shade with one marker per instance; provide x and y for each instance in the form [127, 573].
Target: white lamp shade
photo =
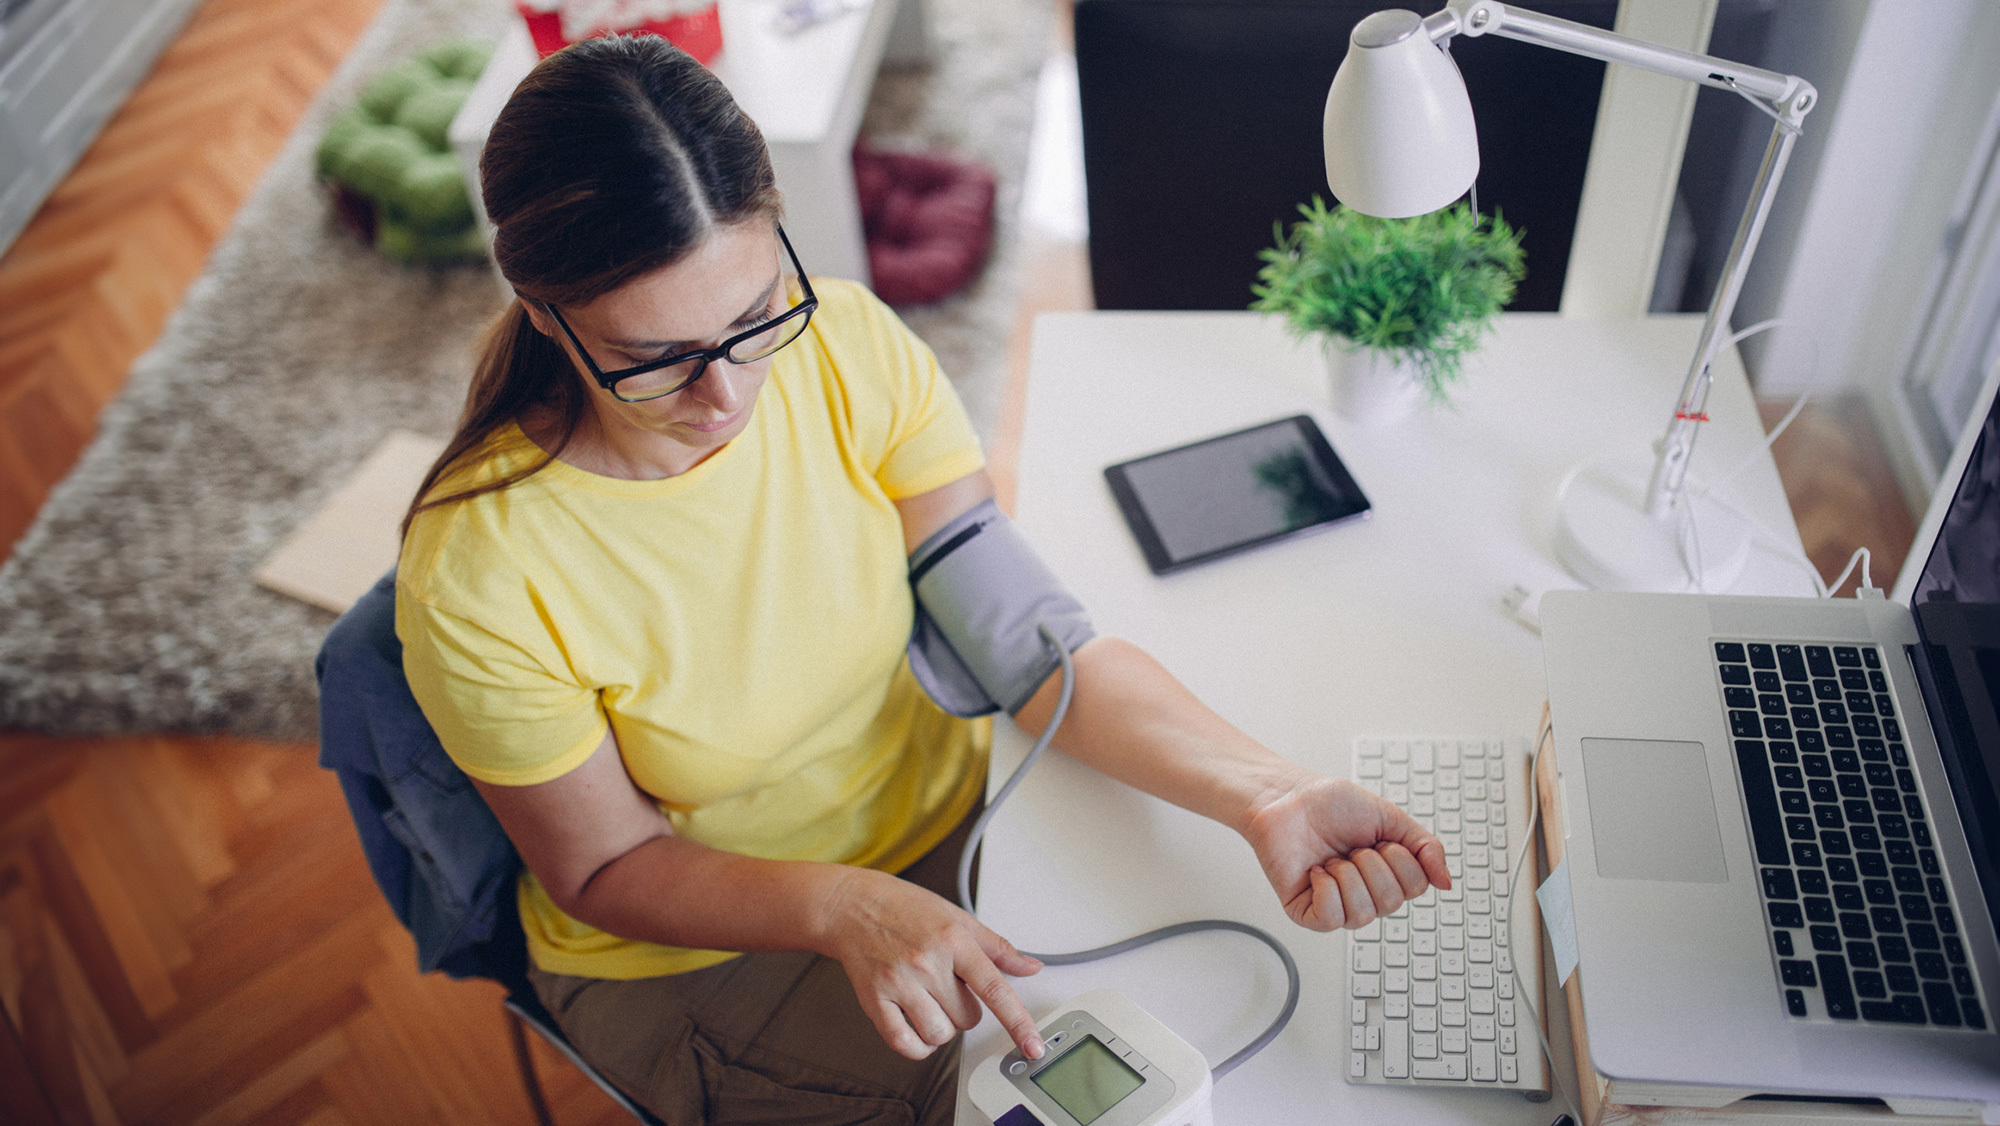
[1399, 134]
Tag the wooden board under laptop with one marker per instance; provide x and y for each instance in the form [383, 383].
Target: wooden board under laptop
[339, 552]
[1616, 1102]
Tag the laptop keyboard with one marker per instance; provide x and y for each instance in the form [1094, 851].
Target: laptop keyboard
[1862, 921]
[1432, 995]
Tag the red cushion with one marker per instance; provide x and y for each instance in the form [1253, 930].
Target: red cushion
[928, 221]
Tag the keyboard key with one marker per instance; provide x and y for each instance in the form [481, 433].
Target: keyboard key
[1395, 1050]
[1854, 924]
[1797, 973]
[1838, 736]
[1451, 1068]
[1942, 1003]
[1735, 674]
[1902, 978]
[1805, 855]
[1954, 950]
[1819, 910]
[1486, 1067]
[1847, 897]
[1923, 936]
[1842, 869]
[1865, 836]
[1828, 817]
[1795, 1001]
[1834, 843]
[1834, 989]
[1791, 662]
[1886, 919]
[1789, 777]
[1868, 983]
[1935, 885]
[1872, 750]
[1778, 884]
[1930, 966]
[1853, 679]
[1813, 883]
[1861, 955]
[1901, 1010]
[1946, 924]
[1910, 880]
[1745, 724]
[1920, 833]
[1871, 657]
[1730, 651]
[1800, 828]
[1846, 656]
[1879, 892]
[1817, 766]
[1820, 660]
[1894, 948]
[1762, 657]
[1961, 977]
[1824, 939]
[1770, 703]
[1766, 829]
[1782, 941]
[1968, 1007]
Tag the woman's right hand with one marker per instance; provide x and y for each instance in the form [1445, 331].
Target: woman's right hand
[921, 966]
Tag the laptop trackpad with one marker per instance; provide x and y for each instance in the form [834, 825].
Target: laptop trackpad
[1652, 811]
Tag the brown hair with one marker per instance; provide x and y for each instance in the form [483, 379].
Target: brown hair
[614, 158]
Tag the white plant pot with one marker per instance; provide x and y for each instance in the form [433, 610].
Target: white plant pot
[1368, 385]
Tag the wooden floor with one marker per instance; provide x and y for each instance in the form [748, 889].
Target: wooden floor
[188, 930]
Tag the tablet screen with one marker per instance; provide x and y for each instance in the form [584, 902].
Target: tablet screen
[1239, 490]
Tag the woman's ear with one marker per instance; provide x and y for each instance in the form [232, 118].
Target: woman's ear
[538, 315]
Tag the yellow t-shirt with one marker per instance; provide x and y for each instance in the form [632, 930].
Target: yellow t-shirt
[740, 628]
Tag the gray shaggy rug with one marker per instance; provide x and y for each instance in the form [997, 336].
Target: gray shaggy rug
[129, 605]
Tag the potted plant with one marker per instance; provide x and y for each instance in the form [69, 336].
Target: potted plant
[1396, 303]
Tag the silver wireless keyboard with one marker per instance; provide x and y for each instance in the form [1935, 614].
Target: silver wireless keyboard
[1432, 995]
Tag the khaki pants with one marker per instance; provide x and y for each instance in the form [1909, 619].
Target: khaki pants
[771, 1038]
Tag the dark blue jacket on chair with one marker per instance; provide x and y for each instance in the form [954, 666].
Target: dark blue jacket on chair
[439, 855]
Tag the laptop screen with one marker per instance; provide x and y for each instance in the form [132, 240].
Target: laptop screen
[1957, 604]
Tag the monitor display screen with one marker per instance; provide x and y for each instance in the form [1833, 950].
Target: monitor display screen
[1088, 1080]
[1957, 604]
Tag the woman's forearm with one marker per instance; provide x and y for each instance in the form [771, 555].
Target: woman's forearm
[1132, 720]
[677, 892]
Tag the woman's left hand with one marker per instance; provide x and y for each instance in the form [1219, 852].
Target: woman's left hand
[1339, 856]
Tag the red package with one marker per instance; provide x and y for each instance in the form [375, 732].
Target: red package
[694, 26]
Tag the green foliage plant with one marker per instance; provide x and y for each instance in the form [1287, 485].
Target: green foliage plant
[1424, 289]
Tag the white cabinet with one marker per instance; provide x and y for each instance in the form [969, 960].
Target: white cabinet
[65, 66]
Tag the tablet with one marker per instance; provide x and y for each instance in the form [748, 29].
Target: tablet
[1227, 494]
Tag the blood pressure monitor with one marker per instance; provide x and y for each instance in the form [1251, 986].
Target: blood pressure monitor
[1109, 1063]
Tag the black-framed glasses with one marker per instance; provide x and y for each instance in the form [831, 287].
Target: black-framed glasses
[658, 378]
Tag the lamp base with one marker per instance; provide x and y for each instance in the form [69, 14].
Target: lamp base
[1606, 538]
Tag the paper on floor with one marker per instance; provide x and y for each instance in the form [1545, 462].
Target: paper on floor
[339, 552]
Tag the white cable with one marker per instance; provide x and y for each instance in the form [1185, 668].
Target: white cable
[1860, 556]
[1785, 423]
[1513, 884]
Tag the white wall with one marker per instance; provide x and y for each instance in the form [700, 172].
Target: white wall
[1816, 40]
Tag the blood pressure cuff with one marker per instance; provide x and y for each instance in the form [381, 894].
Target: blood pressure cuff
[981, 591]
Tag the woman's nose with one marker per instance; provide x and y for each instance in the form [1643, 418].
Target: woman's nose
[722, 387]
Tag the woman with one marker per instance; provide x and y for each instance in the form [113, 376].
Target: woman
[654, 600]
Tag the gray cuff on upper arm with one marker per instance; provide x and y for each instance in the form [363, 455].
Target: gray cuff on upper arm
[981, 592]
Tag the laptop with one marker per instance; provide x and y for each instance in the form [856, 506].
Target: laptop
[1783, 821]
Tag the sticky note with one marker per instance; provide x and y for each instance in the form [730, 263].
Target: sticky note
[1560, 919]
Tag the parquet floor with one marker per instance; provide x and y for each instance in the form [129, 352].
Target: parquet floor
[188, 930]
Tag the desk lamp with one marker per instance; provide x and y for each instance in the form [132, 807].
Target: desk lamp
[1400, 142]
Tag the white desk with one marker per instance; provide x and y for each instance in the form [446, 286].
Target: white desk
[1391, 626]
[806, 93]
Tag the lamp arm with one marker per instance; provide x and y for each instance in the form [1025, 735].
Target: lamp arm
[1489, 17]
[1790, 98]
